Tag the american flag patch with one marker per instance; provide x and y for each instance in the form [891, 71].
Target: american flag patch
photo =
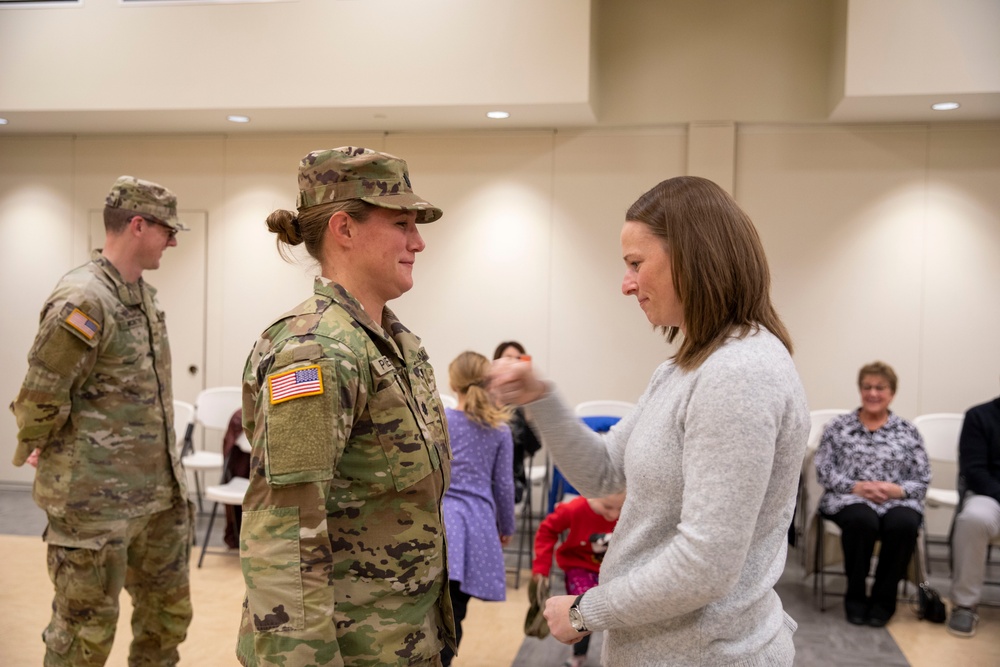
[300, 382]
[79, 321]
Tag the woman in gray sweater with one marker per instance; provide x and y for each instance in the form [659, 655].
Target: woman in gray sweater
[711, 454]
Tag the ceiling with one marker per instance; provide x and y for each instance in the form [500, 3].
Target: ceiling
[558, 64]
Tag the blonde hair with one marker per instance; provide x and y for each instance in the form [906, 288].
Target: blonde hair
[467, 374]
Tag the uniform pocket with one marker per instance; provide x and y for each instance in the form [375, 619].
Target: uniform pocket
[425, 393]
[271, 559]
[57, 637]
[400, 435]
[78, 573]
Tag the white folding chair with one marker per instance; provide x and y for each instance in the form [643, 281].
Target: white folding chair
[940, 432]
[183, 420]
[229, 492]
[213, 409]
[603, 408]
[819, 419]
[537, 477]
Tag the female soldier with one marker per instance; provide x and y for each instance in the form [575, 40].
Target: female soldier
[342, 540]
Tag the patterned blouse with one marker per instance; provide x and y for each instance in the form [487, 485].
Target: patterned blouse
[850, 453]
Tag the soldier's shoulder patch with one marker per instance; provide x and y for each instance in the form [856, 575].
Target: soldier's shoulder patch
[295, 383]
[82, 323]
[64, 339]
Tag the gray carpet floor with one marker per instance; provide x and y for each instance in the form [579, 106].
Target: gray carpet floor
[823, 638]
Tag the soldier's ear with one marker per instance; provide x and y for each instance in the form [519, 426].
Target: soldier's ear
[135, 224]
[342, 228]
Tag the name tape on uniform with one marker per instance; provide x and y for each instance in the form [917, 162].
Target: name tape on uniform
[382, 365]
[298, 383]
[82, 323]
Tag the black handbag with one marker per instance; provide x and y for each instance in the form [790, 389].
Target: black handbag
[929, 605]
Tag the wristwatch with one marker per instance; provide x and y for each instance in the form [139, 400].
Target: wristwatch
[576, 616]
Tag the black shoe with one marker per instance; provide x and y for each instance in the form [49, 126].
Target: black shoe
[857, 619]
[878, 617]
[857, 611]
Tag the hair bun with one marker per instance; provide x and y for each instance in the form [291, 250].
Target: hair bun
[286, 225]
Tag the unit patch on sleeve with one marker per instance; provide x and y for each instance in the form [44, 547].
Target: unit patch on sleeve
[82, 323]
[297, 383]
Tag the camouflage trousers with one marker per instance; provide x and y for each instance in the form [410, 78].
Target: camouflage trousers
[89, 564]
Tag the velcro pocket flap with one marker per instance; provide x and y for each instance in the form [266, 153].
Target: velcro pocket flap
[271, 559]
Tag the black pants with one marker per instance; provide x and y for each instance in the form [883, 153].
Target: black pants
[460, 603]
[860, 528]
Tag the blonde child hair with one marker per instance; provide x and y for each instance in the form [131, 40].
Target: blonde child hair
[467, 374]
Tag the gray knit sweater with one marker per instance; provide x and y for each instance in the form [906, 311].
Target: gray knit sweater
[711, 458]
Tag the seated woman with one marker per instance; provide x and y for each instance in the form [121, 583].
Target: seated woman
[479, 504]
[875, 471]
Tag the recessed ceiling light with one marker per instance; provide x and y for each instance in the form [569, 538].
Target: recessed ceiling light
[498, 114]
[3, 121]
[238, 119]
[945, 106]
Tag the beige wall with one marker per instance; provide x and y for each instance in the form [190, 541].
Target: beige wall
[294, 55]
[884, 243]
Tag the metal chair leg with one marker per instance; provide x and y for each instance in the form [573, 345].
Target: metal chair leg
[197, 491]
[204, 544]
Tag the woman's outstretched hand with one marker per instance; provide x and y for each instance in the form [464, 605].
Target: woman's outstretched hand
[513, 382]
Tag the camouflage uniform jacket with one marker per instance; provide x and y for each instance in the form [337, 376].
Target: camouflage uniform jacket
[343, 542]
[97, 400]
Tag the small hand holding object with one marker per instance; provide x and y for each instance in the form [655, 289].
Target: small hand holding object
[33, 457]
[557, 615]
[512, 381]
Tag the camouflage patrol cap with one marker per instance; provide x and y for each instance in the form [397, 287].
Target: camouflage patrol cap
[348, 172]
[145, 197]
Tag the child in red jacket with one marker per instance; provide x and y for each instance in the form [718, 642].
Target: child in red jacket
[589, 522]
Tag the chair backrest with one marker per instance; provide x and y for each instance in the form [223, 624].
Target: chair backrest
[603, 408]
[820, 418]
[940, 432]
[449, 401]
[215, 407]
[183, 415]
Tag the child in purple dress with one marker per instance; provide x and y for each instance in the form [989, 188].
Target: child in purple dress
[479, 504]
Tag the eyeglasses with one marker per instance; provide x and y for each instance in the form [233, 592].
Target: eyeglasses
[171, 232]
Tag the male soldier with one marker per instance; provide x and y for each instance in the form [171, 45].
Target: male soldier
[95, 414]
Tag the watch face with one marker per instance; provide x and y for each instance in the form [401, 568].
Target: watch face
[576, 619]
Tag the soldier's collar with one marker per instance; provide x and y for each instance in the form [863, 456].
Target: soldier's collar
[129, 294]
